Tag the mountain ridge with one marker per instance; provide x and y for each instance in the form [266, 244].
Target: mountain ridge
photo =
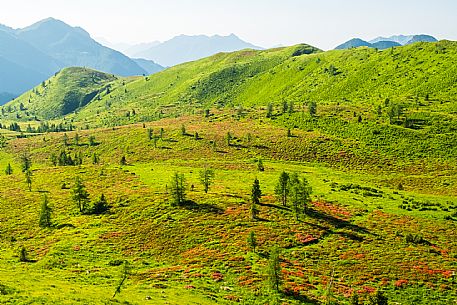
[185, 48]
[386, 42]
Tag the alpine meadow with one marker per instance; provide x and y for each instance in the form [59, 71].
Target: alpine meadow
[285, 175]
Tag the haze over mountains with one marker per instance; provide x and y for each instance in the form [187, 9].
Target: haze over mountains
[30, 55]
[185, 48]
[386, 42]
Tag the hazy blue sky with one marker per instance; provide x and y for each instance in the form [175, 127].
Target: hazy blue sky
[323, 23]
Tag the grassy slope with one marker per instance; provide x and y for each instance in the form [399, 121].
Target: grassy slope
[69, 90]
[178, 254]
[189, 255]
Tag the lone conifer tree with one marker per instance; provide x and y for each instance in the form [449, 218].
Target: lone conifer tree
[252, 241]
[300, 192]
[45, 213]
[26, 162]
[256, 193]
[100, 206]
[206, 178]
[9, 170]
[177, 189]
[282, 189]
[274, 270]
[80, 195]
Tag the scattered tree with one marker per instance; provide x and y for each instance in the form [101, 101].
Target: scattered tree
[206, 178]
[282, 189]
[80, 195]
[100, 206]
[260, 166]
[269, 110]
[26, 162]
[252, 241]
[285, 107]
[312, 108]
[177, 189]
[256, 193]
[150, 134]
[9, 170]
[183, 130]
[300, 192]
[23, 255]
[229, 139]
[45, 213]
[95, 159]
[274, 270]
[123, 161]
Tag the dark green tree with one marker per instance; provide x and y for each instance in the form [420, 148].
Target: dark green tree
[252, 241]
[256, 194]
[312, 108]
[26, 162]
[183, 130]
[282, 188]
[229, 139]
[177, 189]
[274, 270]
[269, 110]
[150, 134]
[123, 161]
[285, 107]
[260, 166]
[300, 194]
[23, 255]
[95, 158]
[291, 107]
[206, 178]
[101, 206]
[9, 170]
[45, 213]
[80, 195]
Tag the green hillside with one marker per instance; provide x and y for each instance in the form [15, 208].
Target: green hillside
[69, 90]
[256, 78]
[372, 214]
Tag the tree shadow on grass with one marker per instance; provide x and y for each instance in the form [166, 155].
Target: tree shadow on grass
[279, 207]
[298, 297]
[336, 222]
[202, 207]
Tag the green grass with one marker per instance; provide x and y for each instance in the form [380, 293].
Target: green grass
[377, 183]
[198, 254]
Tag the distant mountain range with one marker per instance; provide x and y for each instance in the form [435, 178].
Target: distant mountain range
[31, 55]
[184, 48]
[386, 42]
